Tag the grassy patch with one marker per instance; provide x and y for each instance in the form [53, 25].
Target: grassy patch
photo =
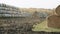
[43, 27]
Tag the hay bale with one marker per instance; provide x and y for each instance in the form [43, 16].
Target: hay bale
[58, 10]
[54, 21]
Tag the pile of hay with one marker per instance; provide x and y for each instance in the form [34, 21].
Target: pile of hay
[54, 20]
[57, 10]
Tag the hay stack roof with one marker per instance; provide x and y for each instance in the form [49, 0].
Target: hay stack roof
[58, 10]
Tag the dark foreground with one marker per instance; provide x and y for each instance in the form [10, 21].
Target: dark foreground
[25, 32]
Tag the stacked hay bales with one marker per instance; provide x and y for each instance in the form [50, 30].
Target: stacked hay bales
[12, 18]
[54, 20]
[9, 16]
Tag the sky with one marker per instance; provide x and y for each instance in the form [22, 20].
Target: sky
[48, 4]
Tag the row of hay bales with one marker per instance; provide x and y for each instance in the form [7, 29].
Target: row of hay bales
[13, 22]
[10, 20]
[25, 22]
[54, 20]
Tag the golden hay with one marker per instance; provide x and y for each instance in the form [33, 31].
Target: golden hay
[54, 21]
[58, 10]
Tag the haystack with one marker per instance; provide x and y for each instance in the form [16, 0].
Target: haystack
[57, 10]
[54, 21]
